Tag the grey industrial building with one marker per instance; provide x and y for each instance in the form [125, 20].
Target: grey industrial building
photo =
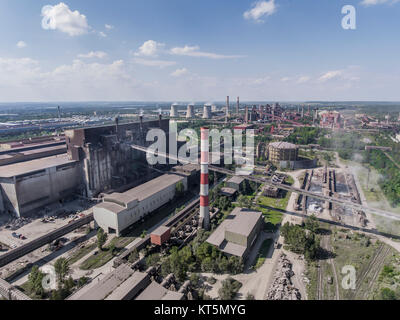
[157, 292]
[235, 183]
[238, 232]
[119, 211]
[26, 186]
[89, 161]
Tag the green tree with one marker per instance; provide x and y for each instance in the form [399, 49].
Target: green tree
[312, 224]
[35, 279]
[61, 267]
[101, 238]
[229, 289]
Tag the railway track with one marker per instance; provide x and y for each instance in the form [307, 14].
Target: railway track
[375, 265]
[376, 272]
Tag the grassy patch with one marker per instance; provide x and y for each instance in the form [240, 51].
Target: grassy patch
[262, 255]
[115, 247]
[80, 253]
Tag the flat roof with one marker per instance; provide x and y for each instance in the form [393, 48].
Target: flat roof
[128, 286]
[107, 285]
[244, 222]
[236, 179]
[160, 231]
[228, 191]
[21, 168]
[157, 292]
[146, 190]
[240, 221]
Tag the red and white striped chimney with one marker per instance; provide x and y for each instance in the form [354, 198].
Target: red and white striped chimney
[204, 200]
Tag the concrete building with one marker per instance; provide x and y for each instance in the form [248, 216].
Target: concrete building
[282, 151]
[238, 232]
[156, 292]
[119, 211]
[131, 288]
[31, 185]
[121, 284]
[235, 183]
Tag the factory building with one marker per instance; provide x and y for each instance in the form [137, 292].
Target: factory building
[119, 211]
[282, 151]
[235, 183]
[236, 235]
[156, 292]
[331, 119]
[28, 186]
[106, 155]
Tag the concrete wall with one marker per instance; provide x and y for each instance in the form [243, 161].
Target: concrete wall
[25, 193]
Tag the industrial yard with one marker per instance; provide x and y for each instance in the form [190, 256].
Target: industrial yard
[126, 230]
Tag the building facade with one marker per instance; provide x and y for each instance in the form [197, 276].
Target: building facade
[119, 211]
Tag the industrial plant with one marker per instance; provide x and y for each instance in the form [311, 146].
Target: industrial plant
[90, 195]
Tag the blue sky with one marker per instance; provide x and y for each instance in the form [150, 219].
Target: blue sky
[186, 50]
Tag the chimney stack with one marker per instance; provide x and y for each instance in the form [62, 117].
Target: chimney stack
[204, 200]
[238, 105]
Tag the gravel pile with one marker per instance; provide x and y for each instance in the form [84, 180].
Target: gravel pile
[282, 287]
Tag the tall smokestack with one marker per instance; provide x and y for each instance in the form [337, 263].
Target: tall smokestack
[204, 201]
[227, 108]
[238, 105]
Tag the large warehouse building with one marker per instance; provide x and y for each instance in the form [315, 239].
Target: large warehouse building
[119, 211]
[27, 186]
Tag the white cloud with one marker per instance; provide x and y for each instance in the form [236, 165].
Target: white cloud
[21, 44]
[154, 63]
[25, 80]
[109, 26]
[194, 52]
[180, 72]
[368, 3]
[149, 49]
[102, 34]
[330, 75]
[61, 18]
[285, 79]
[93, 54]
[303, 79]
[259, 10]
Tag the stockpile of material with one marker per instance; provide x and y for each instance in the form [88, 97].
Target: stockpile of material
[282, 287]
